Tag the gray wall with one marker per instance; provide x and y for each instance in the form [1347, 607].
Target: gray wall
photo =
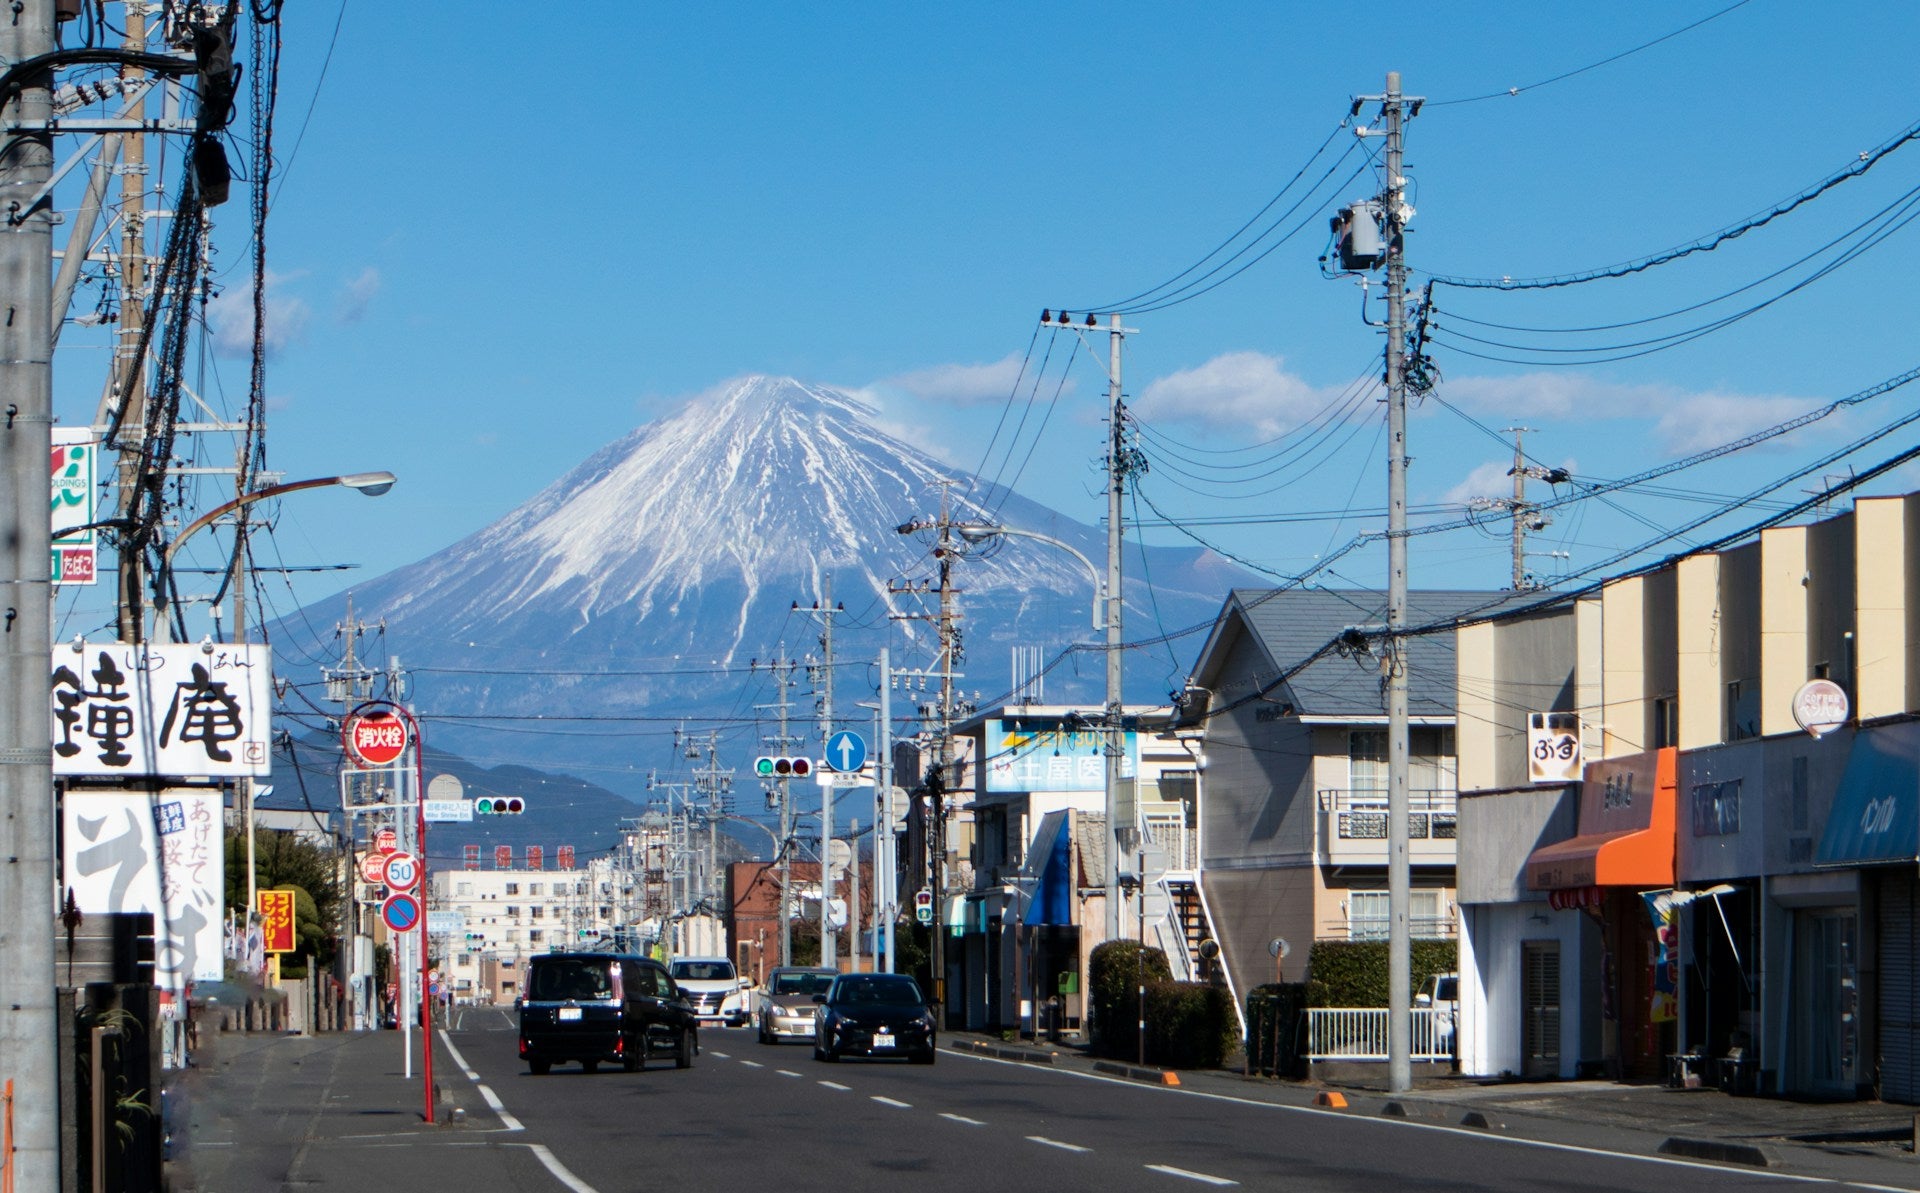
[1498, 829]
[1535, 658]
[1259, 787]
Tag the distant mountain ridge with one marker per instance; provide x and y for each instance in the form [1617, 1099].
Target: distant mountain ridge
[642, 585]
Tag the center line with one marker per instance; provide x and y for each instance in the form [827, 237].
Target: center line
[786, 1072]
[891, 1102]
[1065, 1147]
[835, 1085]
[721, 1055]
[1192, 1176]
[753, 1064]
[961, 1118]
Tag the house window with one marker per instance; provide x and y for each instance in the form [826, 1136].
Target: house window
[1367, 761]
[1716, 808]
[539, 911]
[1367, 915]
[533, 888]
[465, 959]
[1666, 722]
[513, 888]
[463, 890]
[513, 912]
[1743, 710]
[534, 936]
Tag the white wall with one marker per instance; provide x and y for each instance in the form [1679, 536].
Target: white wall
[1490, 1005]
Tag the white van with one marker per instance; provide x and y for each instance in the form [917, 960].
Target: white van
[717, 991]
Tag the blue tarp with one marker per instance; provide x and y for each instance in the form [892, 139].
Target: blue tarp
[1876, 812]
[1053, 889]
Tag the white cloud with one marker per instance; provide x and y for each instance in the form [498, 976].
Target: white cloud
[1488, 480]
[1683, 421]
[961, 385]
[356, 296]
[1248, 391]
[231, 316]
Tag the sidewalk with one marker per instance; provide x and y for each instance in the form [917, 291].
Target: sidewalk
[1856, 1141]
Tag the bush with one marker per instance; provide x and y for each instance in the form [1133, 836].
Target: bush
[1190, 1025]
[1276, 1026]
[1353, 973]
[1113, 975]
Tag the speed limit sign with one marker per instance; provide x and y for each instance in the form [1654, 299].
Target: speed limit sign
[403, 871]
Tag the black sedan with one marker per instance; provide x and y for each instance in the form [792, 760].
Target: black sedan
[875, 1015]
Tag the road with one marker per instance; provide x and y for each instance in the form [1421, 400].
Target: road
[749, 1115]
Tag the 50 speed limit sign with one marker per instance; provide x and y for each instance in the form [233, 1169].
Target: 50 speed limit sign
[403, 871]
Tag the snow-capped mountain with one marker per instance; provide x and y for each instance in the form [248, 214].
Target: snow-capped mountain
[645, 582]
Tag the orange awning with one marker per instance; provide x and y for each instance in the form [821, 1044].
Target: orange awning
[1628, 835]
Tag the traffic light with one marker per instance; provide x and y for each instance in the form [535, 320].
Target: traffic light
[499, 805]
[780, 766]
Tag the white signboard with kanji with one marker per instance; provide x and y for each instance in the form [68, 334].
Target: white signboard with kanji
[1553, 747]
[160, 852]
[149, 709]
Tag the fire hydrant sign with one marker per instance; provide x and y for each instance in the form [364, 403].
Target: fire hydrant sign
[374, 737]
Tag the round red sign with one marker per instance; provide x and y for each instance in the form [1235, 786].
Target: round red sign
[373, 868]
[384, 842]
[375, 737]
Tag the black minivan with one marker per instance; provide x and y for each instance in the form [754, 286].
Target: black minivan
[612, 1007]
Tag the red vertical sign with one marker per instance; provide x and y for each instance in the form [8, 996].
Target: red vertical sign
[564, 857]
[472, 857]
[536, 857]
[276, 920]
[503, 857]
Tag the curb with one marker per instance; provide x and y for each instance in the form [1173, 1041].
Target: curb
[998, 1052]
[1719, 1150]
[1136, 1073]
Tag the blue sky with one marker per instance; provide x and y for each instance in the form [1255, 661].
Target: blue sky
[498, 243]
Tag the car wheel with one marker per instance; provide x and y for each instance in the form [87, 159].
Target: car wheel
[590, 1066]
[683, 1059]
[540, 1068]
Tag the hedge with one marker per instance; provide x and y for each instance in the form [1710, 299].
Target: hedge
[1276, 1029]
[1353, 973]
[1189, 1024]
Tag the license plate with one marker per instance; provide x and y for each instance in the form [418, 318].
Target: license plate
[569, 1013]
[882, 1039]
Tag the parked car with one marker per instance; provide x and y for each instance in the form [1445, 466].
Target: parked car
[1441, 991]
[594, 1007]
[874, 1015]
[785, 1010]
[718, 993]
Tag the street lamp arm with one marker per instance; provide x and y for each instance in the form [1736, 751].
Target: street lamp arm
[373, 484]
[979, 532]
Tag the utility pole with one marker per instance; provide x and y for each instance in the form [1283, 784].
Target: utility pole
[127, 382]
[1395, 109]
[782, 669]
[824, 608]
[29, 1025]
[1122, 461]
[886, 873]
[1526, 518]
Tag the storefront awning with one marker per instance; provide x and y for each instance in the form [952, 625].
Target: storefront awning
[1047, 878]
[1626, 829]
[1876, 811]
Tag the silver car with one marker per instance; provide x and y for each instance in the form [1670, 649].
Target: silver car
[786, 1002]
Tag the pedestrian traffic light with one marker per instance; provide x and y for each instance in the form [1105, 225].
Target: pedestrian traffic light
[781, 766]
[499, 805]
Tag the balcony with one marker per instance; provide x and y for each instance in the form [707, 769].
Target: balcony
[1353, 827]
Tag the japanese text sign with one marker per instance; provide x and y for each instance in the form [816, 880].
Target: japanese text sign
[150, 709]
[75, 454]
[161, 853]
[276, 920]
[1051, 755]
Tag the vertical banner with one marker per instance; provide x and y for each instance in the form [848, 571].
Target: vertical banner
[128, 851]
[1664, 1004]
[276, 920]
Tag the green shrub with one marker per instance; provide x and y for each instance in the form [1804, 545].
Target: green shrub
[1190, 1025]
[1113, 977]
[1353, 973]
[1276, 1029]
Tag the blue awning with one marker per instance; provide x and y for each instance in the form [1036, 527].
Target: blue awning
[1053, 891]
[1876, 812]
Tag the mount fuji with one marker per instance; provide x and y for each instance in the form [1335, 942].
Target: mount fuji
[652, 585]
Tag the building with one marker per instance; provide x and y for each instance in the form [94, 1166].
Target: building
[1725, 891]
[1288, 694]
[505, 916]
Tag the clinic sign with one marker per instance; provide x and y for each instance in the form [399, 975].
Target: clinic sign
[1049, 754]
[147, 709]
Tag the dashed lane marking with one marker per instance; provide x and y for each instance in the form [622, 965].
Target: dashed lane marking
[961, 1118]
[786, 1072]
[753, 1064]
[836, 1085]
[1192, 1176]
[1065, 1147]
[892, 1102]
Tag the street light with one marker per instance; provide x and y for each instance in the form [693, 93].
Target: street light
[981, 532]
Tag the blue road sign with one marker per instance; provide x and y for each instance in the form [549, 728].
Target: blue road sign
[846, 751]
[401, 912]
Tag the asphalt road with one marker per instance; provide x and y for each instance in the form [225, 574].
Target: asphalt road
[750, 1116]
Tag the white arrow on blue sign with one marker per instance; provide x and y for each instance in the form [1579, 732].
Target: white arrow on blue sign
[846, 751]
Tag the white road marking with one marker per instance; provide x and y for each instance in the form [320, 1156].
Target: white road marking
[559, 1170]
[1065, 1147]
[457, 1058]
[721, 1055]
[961, 1118]
[892, 1102]
[751, 1064]
[1396, 1123]
[1192, 1176]
[786, 1072]
[836, 1085]
[494, 1104]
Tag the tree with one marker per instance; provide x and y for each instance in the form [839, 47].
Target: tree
[287, 861]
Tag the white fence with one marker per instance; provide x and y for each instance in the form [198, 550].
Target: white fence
[1360, 1033]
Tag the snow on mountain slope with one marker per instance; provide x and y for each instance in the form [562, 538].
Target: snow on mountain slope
[686, 545]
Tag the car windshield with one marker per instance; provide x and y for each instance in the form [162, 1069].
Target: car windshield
[703, 971]
[807, 984]
[1446, 989]
[889, 990]
[558, 979]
